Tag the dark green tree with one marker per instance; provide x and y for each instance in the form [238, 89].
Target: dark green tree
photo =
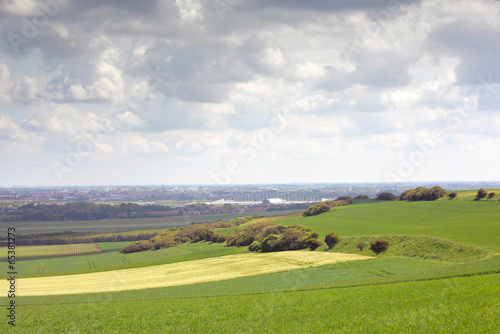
[481, 193]
[361, 197]
[313, 243]
[386, 196]
[331, 239]
[379, 246]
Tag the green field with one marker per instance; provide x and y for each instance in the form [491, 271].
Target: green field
[50, 251]
[462, 304]
[471, 222]
[440, 275]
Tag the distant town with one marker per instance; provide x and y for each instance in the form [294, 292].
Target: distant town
[214, 194]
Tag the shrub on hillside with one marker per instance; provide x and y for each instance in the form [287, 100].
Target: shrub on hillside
[361, 197]
[361, 245]
[379, 246]
[247, 235]
[331, 239]
[316, 209]
[423, 194]
[324, 207]
[313, 243]
[265, 237]
[481, 193]
[386, 196]
[137, 246]
[491, 195]
[255, 246]
[348, 199]
[452, 195]
[404, 195]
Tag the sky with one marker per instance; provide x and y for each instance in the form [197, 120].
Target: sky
[131, 92]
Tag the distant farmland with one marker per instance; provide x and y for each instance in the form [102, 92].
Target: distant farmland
[34, 252]
[121, 225]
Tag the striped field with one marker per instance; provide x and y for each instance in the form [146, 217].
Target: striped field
[31, 252]
[183, 273]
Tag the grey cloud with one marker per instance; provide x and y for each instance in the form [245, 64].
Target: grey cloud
[329, 6]
[478, 48]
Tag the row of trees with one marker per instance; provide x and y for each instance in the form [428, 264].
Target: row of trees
[190, 234]
[82, 211]
[429, 194]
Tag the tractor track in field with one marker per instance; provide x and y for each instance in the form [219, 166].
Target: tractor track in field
[42, 268]
[124, 259]
[91, 262]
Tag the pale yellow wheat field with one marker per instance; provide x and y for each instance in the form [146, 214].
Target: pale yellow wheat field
[183, 273]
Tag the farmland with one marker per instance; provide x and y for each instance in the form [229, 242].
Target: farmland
[440, 274]
[183, 273]
[132, 224]
[33, 252]
[110, 259]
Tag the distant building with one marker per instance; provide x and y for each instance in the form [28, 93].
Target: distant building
[220, 201]
[272, 201]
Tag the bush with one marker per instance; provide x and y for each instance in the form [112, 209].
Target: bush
[265, 237]
[313, 243]
[404, 195]
[255, 246]
[362, 197]
[332, 239]
[386, 196]
[423, 194]
[361, 245]
[491, 195]
[316, 209]
[379, 246]
[324, 207]
[452, 195]
[481, 193]
[138, 246]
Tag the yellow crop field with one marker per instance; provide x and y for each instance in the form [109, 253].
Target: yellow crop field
[183, 273]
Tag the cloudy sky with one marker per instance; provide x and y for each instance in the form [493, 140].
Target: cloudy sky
[248, 91]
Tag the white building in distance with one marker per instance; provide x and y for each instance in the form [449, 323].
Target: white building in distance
[273, 201]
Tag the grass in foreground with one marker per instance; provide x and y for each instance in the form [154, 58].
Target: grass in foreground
[465, 304]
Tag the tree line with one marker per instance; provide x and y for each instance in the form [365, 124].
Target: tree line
[325, 207]
[190, 234]
[80, 211]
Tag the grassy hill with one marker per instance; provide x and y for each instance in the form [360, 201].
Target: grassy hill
[440, 274]
[469, 222]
